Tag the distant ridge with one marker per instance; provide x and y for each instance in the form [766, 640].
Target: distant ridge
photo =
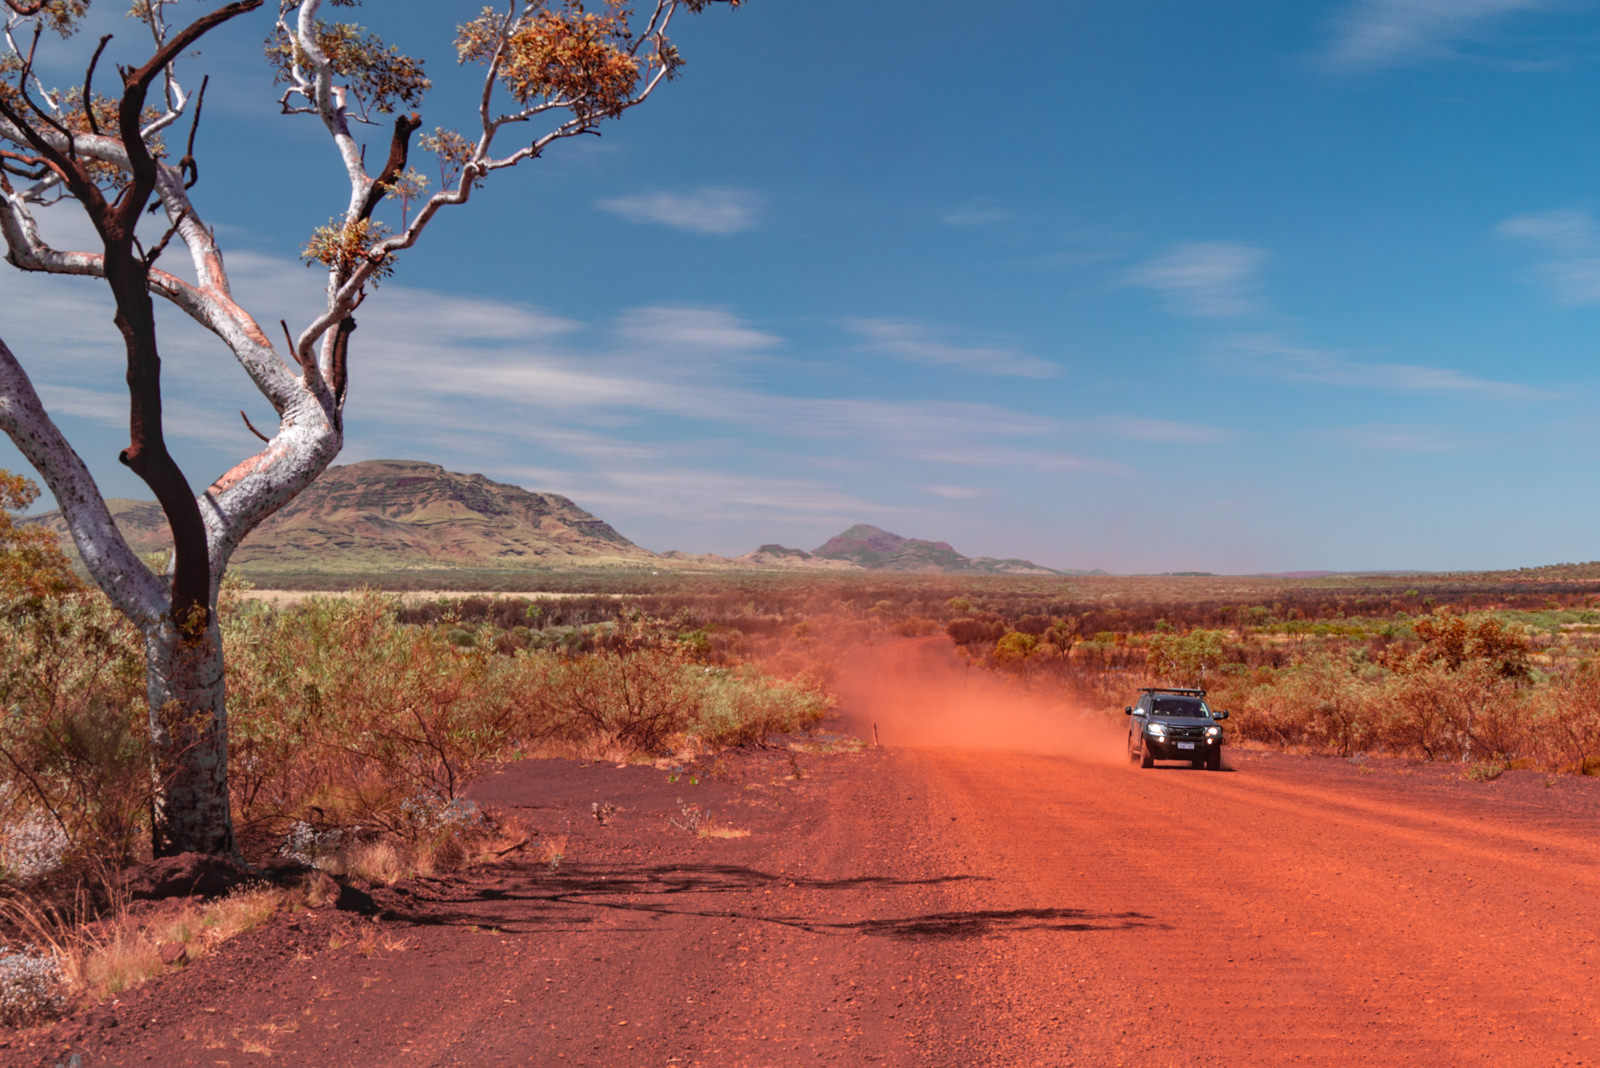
[377, 516]
[876, 549]
[781, 556]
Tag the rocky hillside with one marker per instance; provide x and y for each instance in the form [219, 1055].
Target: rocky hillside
[382, 515]
[876, 549]
[781, 556]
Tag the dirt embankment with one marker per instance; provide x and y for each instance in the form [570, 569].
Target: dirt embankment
[1001, 888]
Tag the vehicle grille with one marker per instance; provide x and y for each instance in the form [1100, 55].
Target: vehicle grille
[1186, 732]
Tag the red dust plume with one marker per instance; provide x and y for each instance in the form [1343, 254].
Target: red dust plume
[917, 692]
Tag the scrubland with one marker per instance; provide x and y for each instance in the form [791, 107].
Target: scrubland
[357, 722]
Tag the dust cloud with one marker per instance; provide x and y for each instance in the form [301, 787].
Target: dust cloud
[918, 693]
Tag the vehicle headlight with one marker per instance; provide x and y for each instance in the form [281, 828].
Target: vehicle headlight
[1158, 730]
[1213, 732]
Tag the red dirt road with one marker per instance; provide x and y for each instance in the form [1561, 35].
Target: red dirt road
[943, 906]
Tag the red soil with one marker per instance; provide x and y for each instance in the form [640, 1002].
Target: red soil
[948, 905]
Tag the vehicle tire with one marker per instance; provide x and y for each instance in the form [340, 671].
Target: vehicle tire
[1133, 753]
[1214, 760]
[1145, 759]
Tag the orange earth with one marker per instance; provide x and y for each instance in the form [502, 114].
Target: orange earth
[993, 885]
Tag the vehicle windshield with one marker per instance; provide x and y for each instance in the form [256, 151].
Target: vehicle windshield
[1190, 707]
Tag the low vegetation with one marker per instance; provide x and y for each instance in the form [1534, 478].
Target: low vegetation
[358, 722]
[356, 725]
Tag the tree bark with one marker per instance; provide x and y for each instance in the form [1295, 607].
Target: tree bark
[189, 740]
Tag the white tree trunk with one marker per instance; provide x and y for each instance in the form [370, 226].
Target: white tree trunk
[189, 741]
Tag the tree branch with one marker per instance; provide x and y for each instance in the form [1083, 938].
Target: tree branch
[252, 427]
[88, 85]
[111, 562]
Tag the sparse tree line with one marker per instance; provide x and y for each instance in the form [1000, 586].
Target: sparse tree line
[117, 149]
[376, 712]
[344, 713]
[1497, 673]
[1497, 689]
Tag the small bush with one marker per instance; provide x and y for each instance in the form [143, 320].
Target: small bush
[744, 707]
[32, 987]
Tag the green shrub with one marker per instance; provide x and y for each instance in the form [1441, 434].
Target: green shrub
[745, 707]
[74, 768]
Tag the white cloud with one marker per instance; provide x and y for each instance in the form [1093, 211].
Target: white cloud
[1269, 357]
[709, 210]
[1569, 242]
[706, 330]
[1209, 279]
[1379, 33]
[500, 386]
[917, 343]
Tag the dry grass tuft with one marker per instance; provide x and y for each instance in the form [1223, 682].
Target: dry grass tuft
[102, 958]
[378, 861]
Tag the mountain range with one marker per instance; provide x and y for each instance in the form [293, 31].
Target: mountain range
[397, 515]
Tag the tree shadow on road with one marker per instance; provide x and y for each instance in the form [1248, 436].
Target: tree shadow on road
[985, 922]
[528, 900]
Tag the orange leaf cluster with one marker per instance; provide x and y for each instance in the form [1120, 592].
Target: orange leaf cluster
[343, 246]
[32, 565]
[572, 56]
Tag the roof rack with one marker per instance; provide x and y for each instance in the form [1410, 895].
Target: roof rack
[1172, 689]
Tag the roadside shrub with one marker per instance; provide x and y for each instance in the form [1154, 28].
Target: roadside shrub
[74, 770]
[1568, 719]
[32, 987]
[974, 631]
[1014, 648]
[618, 703]
[744, 707]
[335, 704]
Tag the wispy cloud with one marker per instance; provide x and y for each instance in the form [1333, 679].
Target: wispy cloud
[709, 210]
[959, 493]
[1569, 242]
[707, 330]
[1369, 34]
[1209, 279]
[1037, 461]
[1137, 428]
[639, 416]
[1398, 439]
[981, 212]
[921, 344]
[1270, 357]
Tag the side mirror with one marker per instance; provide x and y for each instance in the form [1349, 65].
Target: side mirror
[1218, 713]
[1128, 711]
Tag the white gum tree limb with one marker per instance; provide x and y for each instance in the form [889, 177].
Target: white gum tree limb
[545, 61]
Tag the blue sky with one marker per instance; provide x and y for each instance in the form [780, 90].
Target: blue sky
[1234, 286]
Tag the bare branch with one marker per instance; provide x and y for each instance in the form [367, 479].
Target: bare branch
[187, 166]
[251, 427]
[88, 85]
[161, 246]
[399, 149]
[113, 564]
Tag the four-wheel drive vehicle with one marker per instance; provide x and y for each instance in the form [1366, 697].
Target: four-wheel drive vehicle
[1173, 724]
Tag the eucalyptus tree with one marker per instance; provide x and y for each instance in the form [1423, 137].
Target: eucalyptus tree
[551, 70]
